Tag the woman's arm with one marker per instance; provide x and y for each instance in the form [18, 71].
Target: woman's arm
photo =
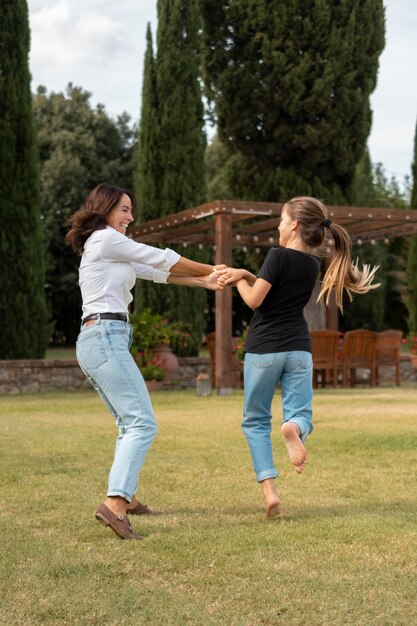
[210, 281]
[187, 267]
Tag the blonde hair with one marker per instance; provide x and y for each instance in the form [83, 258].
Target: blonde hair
[342, 274]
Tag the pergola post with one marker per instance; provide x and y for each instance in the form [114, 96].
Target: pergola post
[332, 312]
[223, 372]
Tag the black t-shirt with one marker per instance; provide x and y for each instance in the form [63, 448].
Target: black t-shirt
[278, 325]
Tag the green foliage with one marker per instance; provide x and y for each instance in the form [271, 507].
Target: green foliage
[366, 312]
[183, 340]
[291, 82]
[24, 328]
[411, 341]
[151, 368]
[216, 158]
[151, 329]
[384, 307]
[79, 147]
[241, 344]
[181, 113]
[148, 172]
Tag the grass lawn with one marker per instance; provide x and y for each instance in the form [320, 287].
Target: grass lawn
[344, 551]
[60, 353]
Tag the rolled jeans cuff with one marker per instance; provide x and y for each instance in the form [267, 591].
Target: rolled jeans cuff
[269, 473]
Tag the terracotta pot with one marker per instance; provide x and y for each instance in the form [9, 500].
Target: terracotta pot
[413, 360]
[154, 385]
[165, 354]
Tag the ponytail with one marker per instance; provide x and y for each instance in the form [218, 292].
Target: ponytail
[342, 274]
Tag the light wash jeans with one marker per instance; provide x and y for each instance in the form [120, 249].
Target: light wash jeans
[103, 355]
[294, 371]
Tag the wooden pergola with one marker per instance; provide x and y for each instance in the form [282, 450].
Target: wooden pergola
[224, 224]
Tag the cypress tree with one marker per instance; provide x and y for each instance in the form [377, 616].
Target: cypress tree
[291, 82]
[23, 328]
[182, 136]
[149, 169]
[412, 253]
[172, 143]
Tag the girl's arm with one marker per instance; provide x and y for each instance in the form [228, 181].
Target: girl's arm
[231, 275]
[252, 290]
[253, 295]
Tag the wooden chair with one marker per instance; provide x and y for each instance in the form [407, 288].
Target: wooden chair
[237, 375]
[388, 344]
[359, 352]
[324, 352]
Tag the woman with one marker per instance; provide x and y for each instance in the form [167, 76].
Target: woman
[278, 345]
[110, 264]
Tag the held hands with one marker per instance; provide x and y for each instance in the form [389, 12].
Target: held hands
[231, 275]
[223, 275]
[212, 281]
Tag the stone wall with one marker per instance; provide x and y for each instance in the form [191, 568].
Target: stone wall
[31, 376]
[23, 376]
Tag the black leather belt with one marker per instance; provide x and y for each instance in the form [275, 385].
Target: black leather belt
[105, 316]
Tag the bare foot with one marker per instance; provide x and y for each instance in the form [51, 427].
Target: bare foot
[272, 501]
[295, 447]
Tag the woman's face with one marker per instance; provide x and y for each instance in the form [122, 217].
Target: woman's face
[120, 217]
[285, 228]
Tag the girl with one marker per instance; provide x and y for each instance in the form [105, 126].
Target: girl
[278, 345]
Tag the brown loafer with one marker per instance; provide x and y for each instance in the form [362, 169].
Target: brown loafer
[142, 509]
[118, 523]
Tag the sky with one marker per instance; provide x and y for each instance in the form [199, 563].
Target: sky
[99, 45]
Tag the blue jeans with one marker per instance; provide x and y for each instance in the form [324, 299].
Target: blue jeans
[103, 355]
[293, 370]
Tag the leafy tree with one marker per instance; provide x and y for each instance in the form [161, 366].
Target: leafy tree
[291, 82]
[172, 143]
[389, 194]
[23, 328]
[367, 312]
[79, 147]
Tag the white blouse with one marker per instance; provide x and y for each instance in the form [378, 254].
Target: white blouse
[109, 266]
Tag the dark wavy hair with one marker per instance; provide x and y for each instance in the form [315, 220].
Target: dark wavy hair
[92, 214]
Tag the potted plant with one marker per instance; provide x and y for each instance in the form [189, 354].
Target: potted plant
[154, 337]
[152, 369]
